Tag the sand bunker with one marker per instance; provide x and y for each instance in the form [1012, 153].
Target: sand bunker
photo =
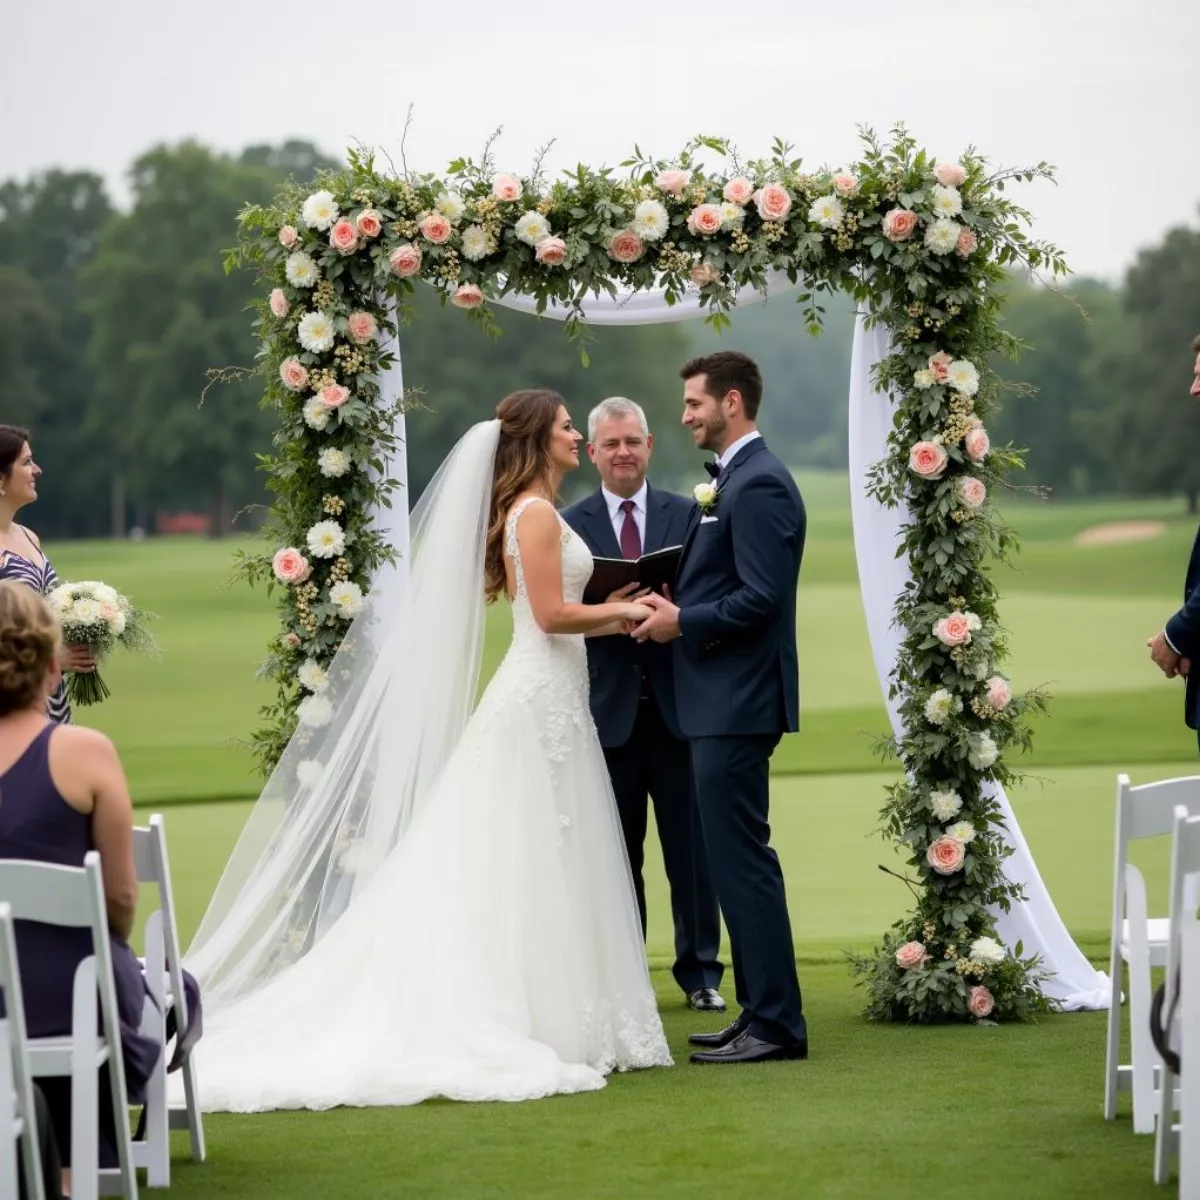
[1120, 531]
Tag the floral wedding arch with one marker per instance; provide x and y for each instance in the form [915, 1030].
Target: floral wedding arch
[922, 246]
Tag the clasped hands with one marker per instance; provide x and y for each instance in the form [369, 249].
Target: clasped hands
[1165, 659]
[661, 622]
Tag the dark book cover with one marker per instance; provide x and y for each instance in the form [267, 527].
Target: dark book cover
[654, 571]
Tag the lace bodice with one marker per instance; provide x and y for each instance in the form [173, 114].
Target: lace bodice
[576, 570]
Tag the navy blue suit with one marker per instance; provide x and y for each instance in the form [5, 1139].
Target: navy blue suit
[736, 694]
[1183, 632]
[632, 693]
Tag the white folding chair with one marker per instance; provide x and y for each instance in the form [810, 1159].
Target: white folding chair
[164, 979]
[18, 1117]
[1189, 1044]
[1141, 942]
[74, 897]
[1185, 868]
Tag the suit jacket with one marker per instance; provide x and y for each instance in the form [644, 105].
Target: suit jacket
[616, 665]
[736, 669]
[1183, 632]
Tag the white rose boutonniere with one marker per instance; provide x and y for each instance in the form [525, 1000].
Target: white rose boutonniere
[705, 495]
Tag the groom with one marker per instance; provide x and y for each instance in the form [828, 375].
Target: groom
[737, 692]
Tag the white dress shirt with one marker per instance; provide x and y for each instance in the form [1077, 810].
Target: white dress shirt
[746, 438]
[617, 517]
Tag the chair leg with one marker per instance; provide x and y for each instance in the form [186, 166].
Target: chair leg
[156, 1150]
[1141, 1048]
[191, 1091]
[1113, 1038]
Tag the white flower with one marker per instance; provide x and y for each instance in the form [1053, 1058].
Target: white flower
[961, 831]
[87, 612]
[315, 332]
[347, 597]
[475, 243]
[732, 215]
[116, 623]
[924, 378]
[452, 206]
[106, 594]
[314, 712]
[942, 236]
[705, 494]
[945, 201]
[320, 210]
[945, 804]
[309, 772]
[333, 463]
[941, 706]
[974, 624]
[983, 752]
[980, 669]
[532, 227]
[311, 675]
[962, 376]
[650, 221]
[987, 950]
[827, 211]
[316, 415]
[326, 539]
[301, 270]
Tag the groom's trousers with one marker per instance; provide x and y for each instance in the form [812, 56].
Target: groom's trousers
[733, 793]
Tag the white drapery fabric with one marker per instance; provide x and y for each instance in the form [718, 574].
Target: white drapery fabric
[1035, 922]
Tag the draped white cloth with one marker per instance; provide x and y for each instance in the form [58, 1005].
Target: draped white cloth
[1074, 983]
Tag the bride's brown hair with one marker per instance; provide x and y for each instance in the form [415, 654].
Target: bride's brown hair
[522, 462]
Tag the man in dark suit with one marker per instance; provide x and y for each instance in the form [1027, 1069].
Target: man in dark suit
[633, 698]
[733, 624]
[1178, 646]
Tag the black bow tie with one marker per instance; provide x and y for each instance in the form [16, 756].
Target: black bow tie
[714, 469]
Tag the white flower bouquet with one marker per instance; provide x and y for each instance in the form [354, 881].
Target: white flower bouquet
[94, 615]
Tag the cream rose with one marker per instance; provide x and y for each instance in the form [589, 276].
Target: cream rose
[846, 184]
[673, 182]
[953, 630]
[705, 219]
[279, 303]
[507, 188]
[939, 364]
[405, 260]
[288, 237]
[702, 274]
[369, 222]
[626, 247]
[998, 692]
[980, 1001]
[343, 236]
[971, 491]
[738, 190]
[967, 242]
[291, 639]
[928, 460]
[362, 327]
[435, 227]
[333, 395]
[294, 374]
[467, 295]
[950, 174]
[551, 251]
[910, 955]
[946, 855]
[977, 444]
[773, 202]
[290, 566]
[899, 224]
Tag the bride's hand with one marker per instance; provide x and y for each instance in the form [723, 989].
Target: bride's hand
[634, 614]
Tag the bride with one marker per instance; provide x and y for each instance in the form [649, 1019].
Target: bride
[428, 901]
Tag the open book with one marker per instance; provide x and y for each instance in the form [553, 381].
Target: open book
[652, 571]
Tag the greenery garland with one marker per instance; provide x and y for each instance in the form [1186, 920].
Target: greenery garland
[923, 246]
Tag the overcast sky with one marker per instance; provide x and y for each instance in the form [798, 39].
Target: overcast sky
[1107, 91]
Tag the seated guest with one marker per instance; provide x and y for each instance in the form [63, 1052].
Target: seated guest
[63, 793]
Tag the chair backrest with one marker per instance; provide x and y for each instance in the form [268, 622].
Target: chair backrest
[47, 892]
[1148, 810]
[153, 866]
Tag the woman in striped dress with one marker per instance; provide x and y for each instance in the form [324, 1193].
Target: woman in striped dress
[21, 556]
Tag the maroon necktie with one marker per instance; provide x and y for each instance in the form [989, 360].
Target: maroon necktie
[631, 540]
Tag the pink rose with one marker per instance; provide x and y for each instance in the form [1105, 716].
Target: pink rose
[998, 692]
[939, 364]
[977, 443]
[945, 855]
[467, 296]
[967, 241]
[294, 374]
[704, 219]
[954, 630]
[899, 224]
[673, 181]
[626, 247]
[910, 955]
[507, 188]
[980, 1001]
[362, 327]
[279, 303]
[971, 491]
[702, 274]
[950, 174]
[847, 185]
[343, 237]
[552, 251]
[291, 639]
[290, 566]
[773, 202]
[738, 190]
[288, 236]
[333, 395]
[405, 260]
[369, 222]
[436, 228]
[928, 460]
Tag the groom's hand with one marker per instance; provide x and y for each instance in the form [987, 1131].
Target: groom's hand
[662, 625]
[1163, 657]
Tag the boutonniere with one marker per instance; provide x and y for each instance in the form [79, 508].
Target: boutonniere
[705, 495]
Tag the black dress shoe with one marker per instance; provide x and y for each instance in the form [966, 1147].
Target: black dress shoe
[705, 999]
[746, 1048]
[714, 1041]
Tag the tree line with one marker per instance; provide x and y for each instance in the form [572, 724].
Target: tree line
[110, 322]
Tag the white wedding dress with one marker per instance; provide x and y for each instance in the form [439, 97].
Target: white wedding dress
[496, 952]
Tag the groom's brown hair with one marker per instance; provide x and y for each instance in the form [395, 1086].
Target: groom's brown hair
[727, 371]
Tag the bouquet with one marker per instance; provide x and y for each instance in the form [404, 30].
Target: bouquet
[97, 616]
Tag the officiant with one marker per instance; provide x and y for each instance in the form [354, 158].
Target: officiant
[633, 697]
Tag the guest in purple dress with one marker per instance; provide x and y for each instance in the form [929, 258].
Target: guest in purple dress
[63, 793]
[21, 556]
